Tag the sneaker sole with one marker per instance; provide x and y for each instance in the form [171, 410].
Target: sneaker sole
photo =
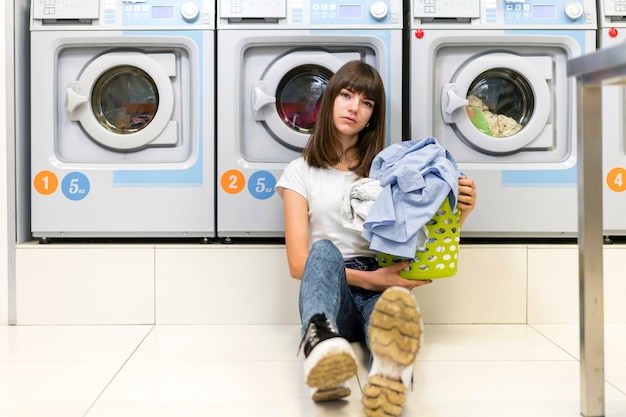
[395, 329]
[333, 393]
[395, 334]
[383, 397]
[330, 363]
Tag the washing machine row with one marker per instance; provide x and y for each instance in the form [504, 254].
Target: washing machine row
[123, 108]
[125, 140]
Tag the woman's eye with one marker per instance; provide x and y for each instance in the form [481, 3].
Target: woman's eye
[368, 104]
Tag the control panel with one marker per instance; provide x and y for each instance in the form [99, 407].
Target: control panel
[318, 13]
[246, 9]
[124, 13]
[66, 9]
[436, 9]
[328, 11]
[614, 8]
[541, 12]
[510, 13]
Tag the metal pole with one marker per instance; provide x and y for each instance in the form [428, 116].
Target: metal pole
[605, 66]
[590, 241]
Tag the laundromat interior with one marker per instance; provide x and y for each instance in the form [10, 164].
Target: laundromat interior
[143, 265]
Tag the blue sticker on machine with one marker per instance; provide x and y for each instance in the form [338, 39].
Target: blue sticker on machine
[547, 178]
[75, 186]
[262, 185]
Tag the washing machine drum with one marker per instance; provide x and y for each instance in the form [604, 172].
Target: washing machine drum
[499, 102]
[125, 100]
[288, 96]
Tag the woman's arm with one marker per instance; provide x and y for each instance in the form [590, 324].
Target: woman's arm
[382, 278]
[296, 209]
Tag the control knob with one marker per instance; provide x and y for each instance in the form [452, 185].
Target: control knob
[379, 10]
[189, 11]
[573, 10]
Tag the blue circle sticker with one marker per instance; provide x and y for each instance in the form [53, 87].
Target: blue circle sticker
[262, 185]
[75, 186]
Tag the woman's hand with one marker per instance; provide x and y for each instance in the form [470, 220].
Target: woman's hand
[467, 197]
[383, 278]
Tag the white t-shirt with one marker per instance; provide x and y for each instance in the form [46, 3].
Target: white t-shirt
[324, 190]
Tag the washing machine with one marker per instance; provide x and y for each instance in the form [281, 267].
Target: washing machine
[488, 79]
[123, 124]
[274, 61]
[612, 32]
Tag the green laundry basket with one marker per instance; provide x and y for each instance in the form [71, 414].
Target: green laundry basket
[439, 258]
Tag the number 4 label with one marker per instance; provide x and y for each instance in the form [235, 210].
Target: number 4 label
[616, 179]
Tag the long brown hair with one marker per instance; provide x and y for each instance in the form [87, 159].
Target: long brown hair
[323, 149]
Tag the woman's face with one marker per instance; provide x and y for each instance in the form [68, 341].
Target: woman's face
[351, 112]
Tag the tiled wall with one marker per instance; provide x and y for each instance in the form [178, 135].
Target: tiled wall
[250, 284]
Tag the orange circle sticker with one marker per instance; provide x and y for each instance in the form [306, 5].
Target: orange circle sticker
[616, 179]
[233, 181]
[46, 182]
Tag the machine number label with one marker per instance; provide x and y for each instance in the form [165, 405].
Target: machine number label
[46, 182]
[616, 179]
[233, 181]
[262, 185]
[75, 186]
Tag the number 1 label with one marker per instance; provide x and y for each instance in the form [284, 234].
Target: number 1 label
[45, 182]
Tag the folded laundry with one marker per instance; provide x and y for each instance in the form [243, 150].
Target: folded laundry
[416, 176]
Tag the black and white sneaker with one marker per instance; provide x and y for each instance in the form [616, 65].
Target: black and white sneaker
[330, 360]
[395, 336]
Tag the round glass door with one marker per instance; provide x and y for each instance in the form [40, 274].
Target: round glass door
[500, 102]
[124, 100]
[285, 99]
[299, 94]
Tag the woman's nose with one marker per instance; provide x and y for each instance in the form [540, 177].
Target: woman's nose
[353, 105]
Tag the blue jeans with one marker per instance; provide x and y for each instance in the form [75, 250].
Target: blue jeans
[324, 289]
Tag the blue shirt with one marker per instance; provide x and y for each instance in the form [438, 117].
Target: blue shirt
[416, 177]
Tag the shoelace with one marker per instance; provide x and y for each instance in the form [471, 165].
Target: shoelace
[311, 333]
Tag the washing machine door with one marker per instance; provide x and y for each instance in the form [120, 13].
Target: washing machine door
[125, 100]
[287, 97]
[499, 102]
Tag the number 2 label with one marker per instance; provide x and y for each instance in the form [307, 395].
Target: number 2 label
[233, 181]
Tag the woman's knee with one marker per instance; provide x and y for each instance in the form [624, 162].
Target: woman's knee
[327, 249]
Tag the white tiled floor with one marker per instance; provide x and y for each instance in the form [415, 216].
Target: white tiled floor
[253, 371]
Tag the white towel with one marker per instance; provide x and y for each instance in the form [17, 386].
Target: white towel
[357, 201]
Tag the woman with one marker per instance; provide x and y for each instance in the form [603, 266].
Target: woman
[342, 288]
